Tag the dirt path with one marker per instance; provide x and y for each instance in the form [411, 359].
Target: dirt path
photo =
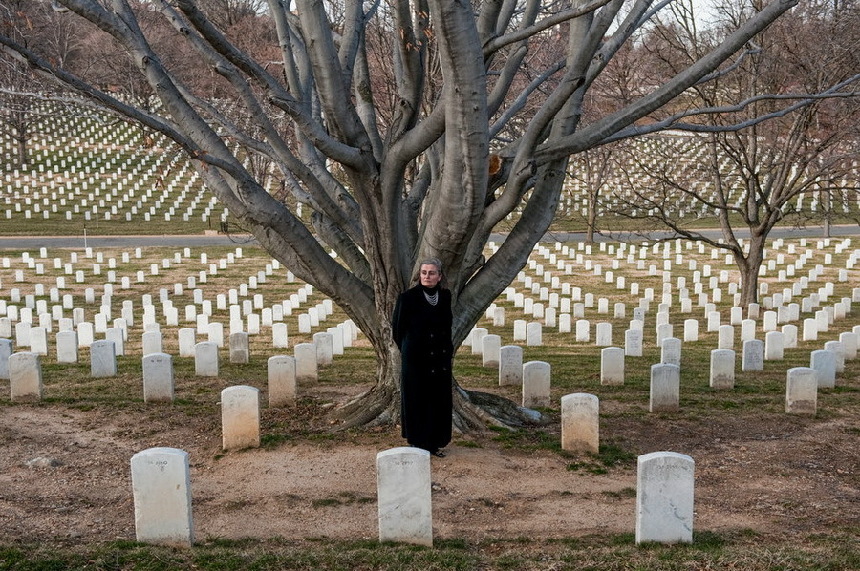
[65, 475]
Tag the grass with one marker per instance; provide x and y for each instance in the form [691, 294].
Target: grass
[739, 550]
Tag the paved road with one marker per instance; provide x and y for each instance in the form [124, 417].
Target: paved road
[179, 241]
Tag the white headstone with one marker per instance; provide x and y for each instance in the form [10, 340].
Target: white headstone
[206, 359]
[665, 487]
[158, 382]
[726, 337]
[612, 366]
[280, 338]
[305, 355]
[282, 380]
[492, 345]
[25, 376]
[239, 352]
[580, 427]
[665, 388]
[240, 417]
[511, 365]
[404, 503]
[151, 342]
[839, 351]
[324, 343]
[633, 342]
[103, 359]
[161, 484]
[5, 353]
[534, 334]
[670, 351]
[536, 384]
[753, 355]
[603, 334]
[801, 390]
[823, 362]
[722, 369]
[774, 346]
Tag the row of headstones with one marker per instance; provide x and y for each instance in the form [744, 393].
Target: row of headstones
[555, 281]
[535, 376]
[778, 308]
[77, 176]
[72, 337]
[24, 369]
[802, 284]
[561, 260]
[240, 316]
[161, 485]
[776, 341]
[269, 315]
[577, 303]
[69, 268]
[562, 325]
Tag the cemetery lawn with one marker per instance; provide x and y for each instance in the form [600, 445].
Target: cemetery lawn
[773, 491]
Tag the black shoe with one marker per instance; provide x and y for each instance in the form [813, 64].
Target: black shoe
[438, 453]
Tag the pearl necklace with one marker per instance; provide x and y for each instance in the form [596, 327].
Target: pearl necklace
[432, 299]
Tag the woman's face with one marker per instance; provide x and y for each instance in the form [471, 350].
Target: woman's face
[429, 275]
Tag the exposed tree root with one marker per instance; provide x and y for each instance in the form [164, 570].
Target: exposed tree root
[374, 407]
[474, 411]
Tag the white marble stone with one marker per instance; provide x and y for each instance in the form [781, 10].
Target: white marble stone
[536, 384]
[580, 422]
[158, 384]
[103, 358]
[665, 388]
[722, 375]
[161, 485]
[240, 417]
[665, 484]
[282, 380]
[823, 362]
[801, 391]
[206, 359]
[612, 366]
[305, 355]
[25, 376]
[404, 501]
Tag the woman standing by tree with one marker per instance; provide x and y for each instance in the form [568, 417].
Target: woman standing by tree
[422, 332]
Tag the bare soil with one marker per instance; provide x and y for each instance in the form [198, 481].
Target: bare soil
[65, 477]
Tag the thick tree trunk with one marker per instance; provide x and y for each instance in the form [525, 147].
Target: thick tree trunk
[23, 156]
[749, 267]
[592, 219]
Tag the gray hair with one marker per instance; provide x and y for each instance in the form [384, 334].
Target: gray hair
[431, 262]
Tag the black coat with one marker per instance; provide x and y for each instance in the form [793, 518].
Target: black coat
[423, 334]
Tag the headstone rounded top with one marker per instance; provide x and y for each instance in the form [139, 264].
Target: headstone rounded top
[239, 388]
[666, 455]
[579, 396]
[161, 450]
[402, 450]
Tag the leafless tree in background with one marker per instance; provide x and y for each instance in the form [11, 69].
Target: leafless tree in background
[793, 168]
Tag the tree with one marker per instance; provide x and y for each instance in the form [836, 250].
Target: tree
[395, 173]
[29, 24]
[770, 172]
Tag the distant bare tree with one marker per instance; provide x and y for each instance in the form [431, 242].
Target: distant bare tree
[803, 78]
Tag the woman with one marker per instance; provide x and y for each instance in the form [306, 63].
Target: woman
[422, 331]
